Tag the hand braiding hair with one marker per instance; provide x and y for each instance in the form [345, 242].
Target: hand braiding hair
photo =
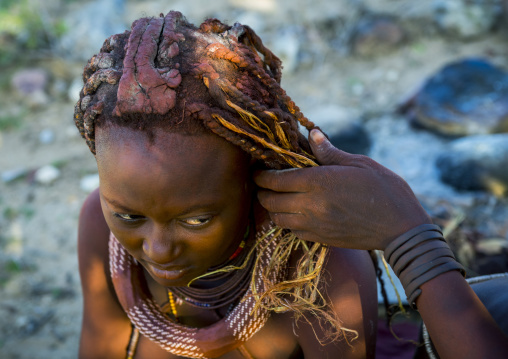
[167, 74]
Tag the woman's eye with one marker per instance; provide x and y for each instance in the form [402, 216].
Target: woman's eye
[196, 221]
[127, 217]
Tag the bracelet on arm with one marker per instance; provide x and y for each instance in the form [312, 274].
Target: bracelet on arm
[418, 256]
[403, 238]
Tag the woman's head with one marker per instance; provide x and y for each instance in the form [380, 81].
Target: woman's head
[176, 215]
[154, 100]
[167, 74]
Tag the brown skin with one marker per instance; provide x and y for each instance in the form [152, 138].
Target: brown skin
[190, 211]
[353, 202]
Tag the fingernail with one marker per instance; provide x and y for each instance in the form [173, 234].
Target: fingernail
[317, 136]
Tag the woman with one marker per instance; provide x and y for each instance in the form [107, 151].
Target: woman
[177, 258]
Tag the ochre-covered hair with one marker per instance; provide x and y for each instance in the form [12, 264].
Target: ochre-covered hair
[167, 74]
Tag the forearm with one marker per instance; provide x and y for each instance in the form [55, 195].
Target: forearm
[458, 323]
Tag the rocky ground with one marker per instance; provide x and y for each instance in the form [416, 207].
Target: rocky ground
[346, 62]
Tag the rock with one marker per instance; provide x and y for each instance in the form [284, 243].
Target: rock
[352, 138]
[14, 174]
[377, 35]
[29, 81]
[476, 163]
[89, 183]
[31, 325]
[467, 97]
[37, 99]
[485, 264]
[47, 174]
[342, 127]
[31, 84]
[492, 246]
[46, 136]
[466, 18]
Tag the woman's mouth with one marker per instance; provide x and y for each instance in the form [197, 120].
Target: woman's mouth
[168, 274]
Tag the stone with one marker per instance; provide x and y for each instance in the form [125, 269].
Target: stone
[342, 127]
[37, 99]
[14, 174]
[476, 163]
[46, 136]
[492, 246]
[376, 36]
[31, 85]
[466, 19]
[467, 97]
[352, 138]
[47, 174]
[30, 81]
[89, 183]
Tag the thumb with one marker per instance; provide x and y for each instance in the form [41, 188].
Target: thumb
[324, 151]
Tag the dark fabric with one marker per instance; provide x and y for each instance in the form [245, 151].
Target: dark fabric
[388, 347]
[494, 295]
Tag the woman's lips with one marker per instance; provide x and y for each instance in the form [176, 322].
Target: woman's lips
[169, 274]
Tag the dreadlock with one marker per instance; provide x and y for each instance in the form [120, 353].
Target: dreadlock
[167, 74]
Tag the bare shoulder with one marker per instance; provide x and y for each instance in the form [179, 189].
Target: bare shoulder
[349, 283]
[93, 232]
[105, 327]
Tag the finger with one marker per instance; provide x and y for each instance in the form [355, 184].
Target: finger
[292, 221]
[325, 152]
[308, 236]
[290, 180]
[280, 202]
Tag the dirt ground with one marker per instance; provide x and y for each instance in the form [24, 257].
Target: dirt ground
[40, 295]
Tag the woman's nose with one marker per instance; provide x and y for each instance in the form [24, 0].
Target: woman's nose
[160, 246]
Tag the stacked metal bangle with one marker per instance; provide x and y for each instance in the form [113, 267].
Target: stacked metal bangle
[418, 256]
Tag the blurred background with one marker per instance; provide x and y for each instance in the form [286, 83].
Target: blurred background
[420, 86]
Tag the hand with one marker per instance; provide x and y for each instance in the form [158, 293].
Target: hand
[349, 201]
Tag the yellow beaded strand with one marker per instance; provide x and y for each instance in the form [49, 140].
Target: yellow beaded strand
[172, 304]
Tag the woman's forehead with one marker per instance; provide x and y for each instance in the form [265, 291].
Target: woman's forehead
[124, 146]
[158, 140]
[135, 170]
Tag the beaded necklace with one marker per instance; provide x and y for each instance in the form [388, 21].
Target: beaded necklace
[241, 323]
[222, 287]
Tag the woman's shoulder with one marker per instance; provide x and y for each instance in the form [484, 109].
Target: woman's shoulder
[105, 327]
[342, 264]
[93, 231]
[348, 284]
